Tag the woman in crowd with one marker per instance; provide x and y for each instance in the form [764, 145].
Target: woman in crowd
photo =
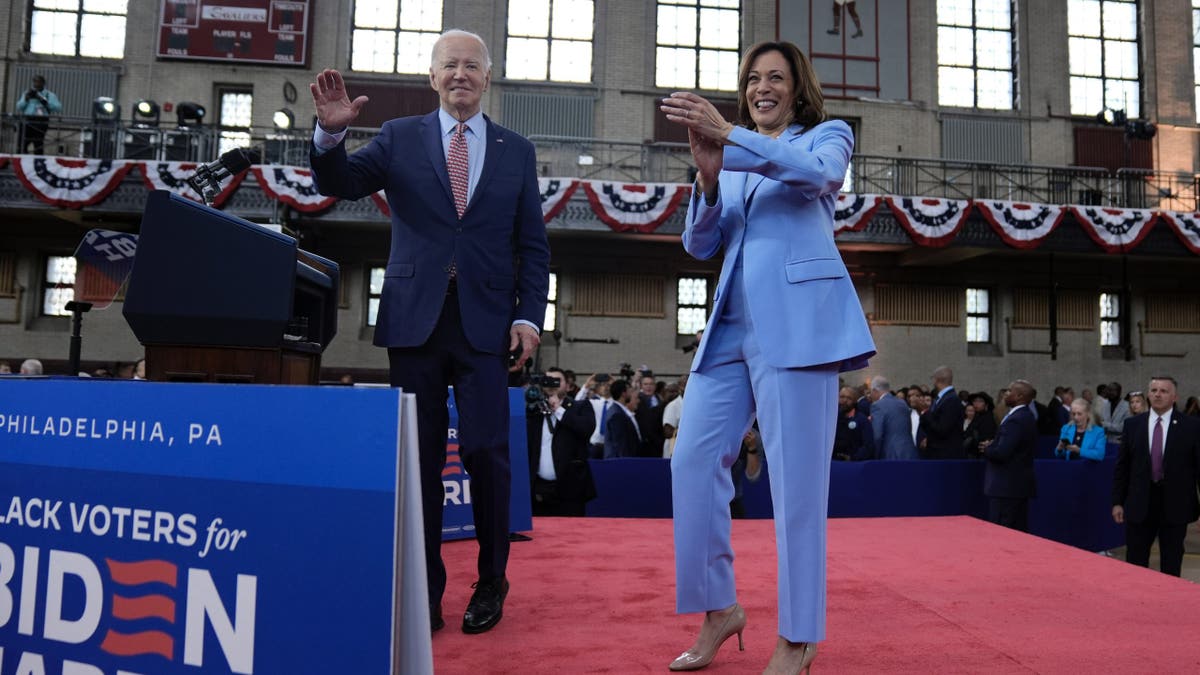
[983, 423]
[1193, 407]
[1081, 437]
[1137, 403]
[785, 321]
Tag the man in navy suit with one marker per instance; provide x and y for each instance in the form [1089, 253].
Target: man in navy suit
[891, 421]
[622, 437]
[465, 284]
[1156, 479]
[943, 422]
[1008, 479]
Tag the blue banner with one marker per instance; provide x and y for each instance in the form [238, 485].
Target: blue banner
[176, 528]
[457, 519]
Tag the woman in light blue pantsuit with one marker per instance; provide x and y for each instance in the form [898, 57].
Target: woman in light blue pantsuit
[786, 319]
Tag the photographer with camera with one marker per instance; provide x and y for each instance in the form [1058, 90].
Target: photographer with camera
[36, 106]
[560, 478]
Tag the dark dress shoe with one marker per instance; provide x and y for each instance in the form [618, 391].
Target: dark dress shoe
[486, 606]
[436, 622]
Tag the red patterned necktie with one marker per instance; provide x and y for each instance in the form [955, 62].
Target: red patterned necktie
[1156, 452]
[457, 166]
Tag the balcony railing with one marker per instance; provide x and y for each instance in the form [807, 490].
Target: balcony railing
[589, 158]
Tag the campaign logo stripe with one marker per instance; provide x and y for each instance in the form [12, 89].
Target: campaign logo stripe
[145, 607]
[143, 572]
[138, 644]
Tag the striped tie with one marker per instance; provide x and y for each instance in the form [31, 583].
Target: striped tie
[456, 164]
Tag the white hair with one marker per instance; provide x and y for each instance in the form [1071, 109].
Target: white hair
[31, 367]
[457, 32]
[880, 383]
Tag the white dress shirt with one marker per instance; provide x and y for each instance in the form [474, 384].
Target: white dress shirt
[545, 469]
[1166, 426]
[598, 405]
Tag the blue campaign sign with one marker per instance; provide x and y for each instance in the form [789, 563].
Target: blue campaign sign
[457, 519]
[178, 528]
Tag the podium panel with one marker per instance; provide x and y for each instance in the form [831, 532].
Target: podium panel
[180, 529]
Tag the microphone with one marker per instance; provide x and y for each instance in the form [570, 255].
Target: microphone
[207, 179]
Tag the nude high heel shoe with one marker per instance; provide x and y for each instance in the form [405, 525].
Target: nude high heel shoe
[702, 653]
[792, 658]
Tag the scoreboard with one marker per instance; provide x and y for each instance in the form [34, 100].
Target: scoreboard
[240, 31]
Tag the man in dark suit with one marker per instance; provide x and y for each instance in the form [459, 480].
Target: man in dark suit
[560, 477]
[649, 416]
[1008, 478]
[465, 284]
[622, 438]
[891, 422]
[1156, 479]
[943, 422]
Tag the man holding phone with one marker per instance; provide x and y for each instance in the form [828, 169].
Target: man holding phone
[36, 106]
[596, 392]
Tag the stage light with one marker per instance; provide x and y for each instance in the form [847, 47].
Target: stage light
[104, 109]
[146, 113]
[1113, 118]
[284, 119]
[190, 114]
[1140, 129]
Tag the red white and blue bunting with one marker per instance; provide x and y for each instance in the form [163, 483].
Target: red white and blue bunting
[1021, 225]
[70, 183]
[930, 221]
[555, 193]
[853, 212]
[1115, 230]
[172, 177]
[1186, 226]
[380, 199]
[625, 207]
[292, 186]
[638, 207]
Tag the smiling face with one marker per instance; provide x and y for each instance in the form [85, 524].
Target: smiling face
[459, 75]
[771, 92]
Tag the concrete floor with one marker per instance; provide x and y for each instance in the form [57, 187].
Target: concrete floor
[1191, 555]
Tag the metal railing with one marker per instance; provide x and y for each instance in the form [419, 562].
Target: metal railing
[81, 137]
[590, 158]
[956, 179]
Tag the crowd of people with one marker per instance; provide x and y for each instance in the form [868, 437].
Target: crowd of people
[121, 370]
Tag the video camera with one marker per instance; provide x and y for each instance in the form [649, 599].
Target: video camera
[536, 401]
[627, 372]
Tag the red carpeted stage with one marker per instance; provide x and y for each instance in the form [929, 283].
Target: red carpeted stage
[906, 595]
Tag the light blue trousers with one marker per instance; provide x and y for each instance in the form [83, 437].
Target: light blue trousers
[797, 411]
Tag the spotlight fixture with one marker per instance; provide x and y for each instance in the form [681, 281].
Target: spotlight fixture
[1112, 118]
[105, 109]
[145, 113]
[284, 119]
[1140, 129]
[190, 114]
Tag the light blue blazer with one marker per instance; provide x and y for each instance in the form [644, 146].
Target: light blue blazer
[801, 301]
[1092, 447]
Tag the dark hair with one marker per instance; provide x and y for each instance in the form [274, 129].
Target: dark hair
[809, 107]
[1166, 378]
[985, 397]
[617, 389]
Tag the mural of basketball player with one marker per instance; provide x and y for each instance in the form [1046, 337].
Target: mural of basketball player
[852, 10]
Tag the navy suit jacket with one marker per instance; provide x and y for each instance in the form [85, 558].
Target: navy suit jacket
[891, 420]
[1009, 470]
[943, 427]
[499, 246]
[1181, 476]
[620, 435]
